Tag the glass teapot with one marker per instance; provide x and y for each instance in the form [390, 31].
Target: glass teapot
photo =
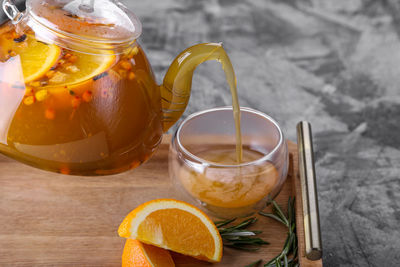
[77, 93]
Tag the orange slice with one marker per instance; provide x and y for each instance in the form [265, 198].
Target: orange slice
[84, 67]
[174, 225]
[138, 254]
[86, 74]
[63, 97]
[37, 58]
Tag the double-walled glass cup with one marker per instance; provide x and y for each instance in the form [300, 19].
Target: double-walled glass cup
[203, 165]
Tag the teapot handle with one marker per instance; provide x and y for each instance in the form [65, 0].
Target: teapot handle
[12, 12]
[176, 88]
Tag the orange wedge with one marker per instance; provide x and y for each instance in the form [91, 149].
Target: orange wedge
[37, 58]
[138, 254]
[176, 226]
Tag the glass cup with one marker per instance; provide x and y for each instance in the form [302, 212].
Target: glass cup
[202, 161]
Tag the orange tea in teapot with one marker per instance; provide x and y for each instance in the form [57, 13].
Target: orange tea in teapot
[77, 112]
[77, 93]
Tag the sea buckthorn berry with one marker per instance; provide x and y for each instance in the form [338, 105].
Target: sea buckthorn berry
[29, 91]
[67, 55]
[50, 74]
[122, 73]
[41, 95]
[131, 75]
[76, 101]
[29, 100]
[50, 114]
[87, 96]
[73, 58]
[65, 170]
[22, 45]
[134, 164]
[35, 84]
[14, 35]
[126, 65]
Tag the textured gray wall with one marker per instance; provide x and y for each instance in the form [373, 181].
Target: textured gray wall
[335, 63]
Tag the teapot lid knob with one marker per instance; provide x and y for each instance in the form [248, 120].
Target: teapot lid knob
[12, 12]
[87, 6]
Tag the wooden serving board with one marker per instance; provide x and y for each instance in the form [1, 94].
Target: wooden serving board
[48, 219]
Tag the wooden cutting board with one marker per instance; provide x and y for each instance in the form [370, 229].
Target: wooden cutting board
[48, 219]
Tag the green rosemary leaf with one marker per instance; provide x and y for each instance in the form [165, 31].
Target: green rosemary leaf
[238, 237]
[293, 228]
[290, 245]
[293, 208]
[290, 212]
[243, 241]
[241, 225]
[286, 246]
[223, 223]
[263, 242]
[295, 251]
[238, 233]
[270, 215]
[254, 264]
[280, 213]
[271, 262]
[291, 262]
[249, 242]
[245, 223]
[241, 247]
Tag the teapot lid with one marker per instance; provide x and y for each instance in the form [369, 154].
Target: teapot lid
[98, 21]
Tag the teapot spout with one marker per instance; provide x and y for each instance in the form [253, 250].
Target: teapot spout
[176, 88]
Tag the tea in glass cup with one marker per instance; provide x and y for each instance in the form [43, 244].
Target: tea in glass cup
[203, 162]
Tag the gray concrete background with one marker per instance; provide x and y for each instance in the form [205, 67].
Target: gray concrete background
[334, 63]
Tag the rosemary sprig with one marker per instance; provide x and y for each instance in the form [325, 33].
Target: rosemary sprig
[238, 236]
[288, 256]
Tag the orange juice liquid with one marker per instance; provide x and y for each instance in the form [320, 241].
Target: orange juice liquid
[72, 121]
[230, 187]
